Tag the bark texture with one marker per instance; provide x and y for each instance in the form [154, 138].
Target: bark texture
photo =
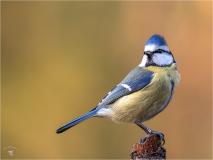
[149, 147]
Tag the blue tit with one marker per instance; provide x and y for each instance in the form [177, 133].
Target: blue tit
[143, 93]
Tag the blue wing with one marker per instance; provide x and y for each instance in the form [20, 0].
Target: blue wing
[136, 80]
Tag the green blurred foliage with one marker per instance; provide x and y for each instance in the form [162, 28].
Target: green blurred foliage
[60, 58]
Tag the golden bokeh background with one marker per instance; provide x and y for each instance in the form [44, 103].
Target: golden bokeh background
[60, 58]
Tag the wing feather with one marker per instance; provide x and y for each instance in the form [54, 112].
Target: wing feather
[136, 80]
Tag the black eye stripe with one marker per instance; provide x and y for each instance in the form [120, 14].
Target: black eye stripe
[156, 51]
[161, 51]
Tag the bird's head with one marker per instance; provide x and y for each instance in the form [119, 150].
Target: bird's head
[157, 53]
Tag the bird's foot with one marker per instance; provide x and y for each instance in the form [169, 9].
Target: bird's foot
[159, 134]
[150, 131]
[154, 133]
[149, 147]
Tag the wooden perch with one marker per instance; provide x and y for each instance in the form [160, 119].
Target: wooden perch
[150, 147]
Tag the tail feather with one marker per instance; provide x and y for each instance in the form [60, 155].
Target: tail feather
[77, 120]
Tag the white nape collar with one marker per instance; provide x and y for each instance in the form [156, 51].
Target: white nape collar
[144, 61]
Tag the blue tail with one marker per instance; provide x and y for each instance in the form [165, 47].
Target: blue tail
[77, 120]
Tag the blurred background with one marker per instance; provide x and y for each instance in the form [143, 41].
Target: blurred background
[60, 58]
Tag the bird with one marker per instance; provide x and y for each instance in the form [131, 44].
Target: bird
[143, 93]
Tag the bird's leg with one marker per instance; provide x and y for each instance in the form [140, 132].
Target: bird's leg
[150, 131]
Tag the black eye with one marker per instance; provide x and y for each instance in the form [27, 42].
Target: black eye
[161, 51]
[158, 51]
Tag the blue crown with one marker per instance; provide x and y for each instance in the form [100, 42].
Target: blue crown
[157, 40]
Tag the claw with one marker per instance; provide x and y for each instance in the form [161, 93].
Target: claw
[150, 131]
[143, 140]
[161, 135]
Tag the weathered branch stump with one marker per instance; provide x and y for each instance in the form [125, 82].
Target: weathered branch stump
[149, 147]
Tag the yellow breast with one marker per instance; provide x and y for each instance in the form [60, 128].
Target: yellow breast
[149, 101]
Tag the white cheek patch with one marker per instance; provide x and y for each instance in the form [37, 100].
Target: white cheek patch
[144, 61]
[162, 59]
[153, 47]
